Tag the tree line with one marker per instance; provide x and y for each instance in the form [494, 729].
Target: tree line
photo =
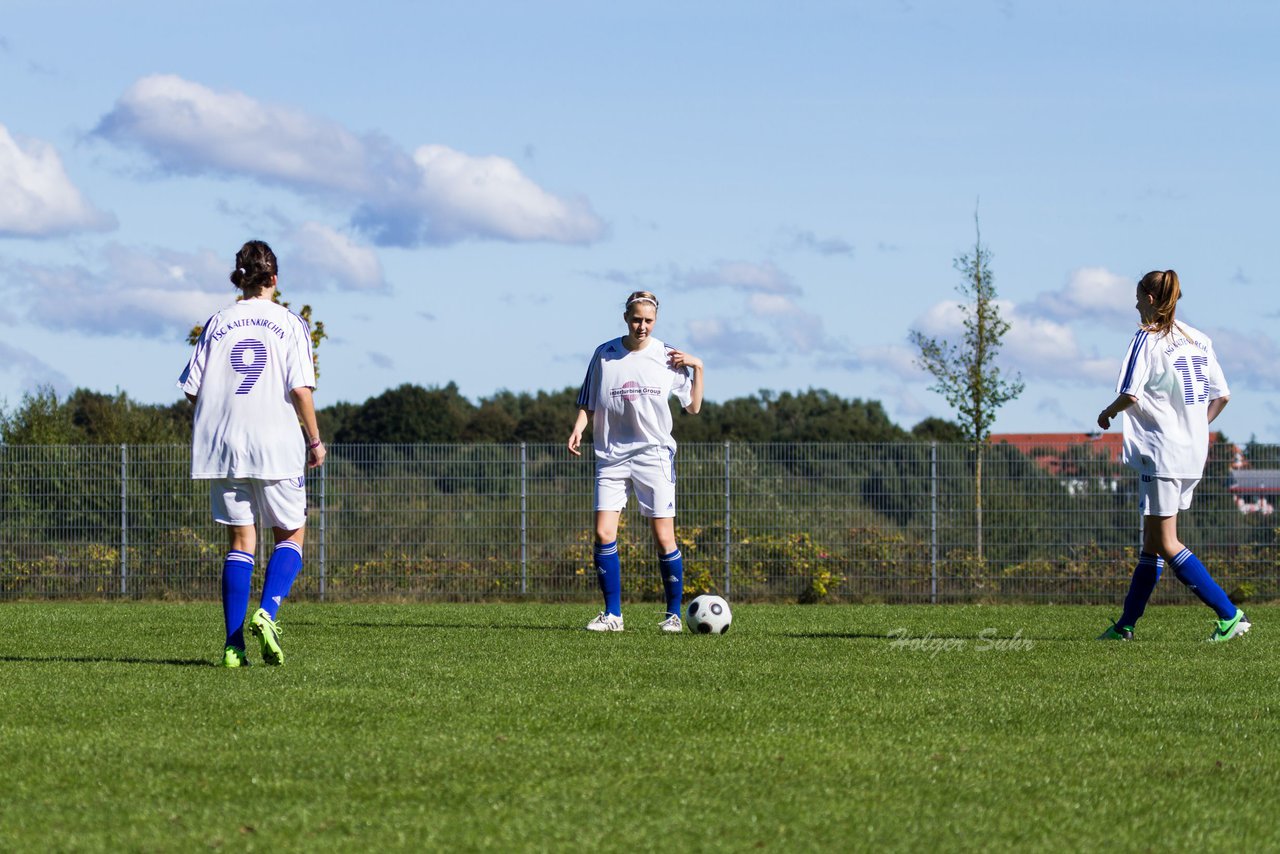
[412, 414]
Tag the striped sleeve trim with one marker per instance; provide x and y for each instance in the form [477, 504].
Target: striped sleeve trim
[1131, 362]
[587, 394]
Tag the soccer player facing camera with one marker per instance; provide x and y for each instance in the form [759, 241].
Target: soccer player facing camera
[1170, 389]
[624, 397]
[251, 376]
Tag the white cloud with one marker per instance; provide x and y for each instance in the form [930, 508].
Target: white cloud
[191, 129]
[941, 320]
[435, 195]
[37, 199]
[159, 294]
[1093, 293]
[718, 338]
[462, 196]
[762, 278]
[801, 331]
[1035, 346]
[30, 371]
[132, 293]
[1039, 347]
[893, 359]
[1248, 359]
[322, 257]
[904, 404]
[803, 239]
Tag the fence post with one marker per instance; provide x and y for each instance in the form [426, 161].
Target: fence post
[524, 557]
[933, 522]
[323, 506]
[728, 514]
[124, 519]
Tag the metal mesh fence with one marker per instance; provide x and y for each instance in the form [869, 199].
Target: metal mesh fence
[808, 522]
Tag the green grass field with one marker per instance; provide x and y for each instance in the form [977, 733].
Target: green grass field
[508, 727]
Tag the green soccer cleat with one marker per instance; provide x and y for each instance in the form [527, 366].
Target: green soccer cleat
[1116, 632]
[265, 629]
[232, 657]
[1225, 630]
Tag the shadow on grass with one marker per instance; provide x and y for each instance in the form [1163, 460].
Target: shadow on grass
[476, 626]
[924, 636]
[103, 659]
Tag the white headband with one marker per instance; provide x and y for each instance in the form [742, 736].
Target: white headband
[654, 302]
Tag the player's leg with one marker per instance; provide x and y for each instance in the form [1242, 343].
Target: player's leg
[284, 506]
[282, 568]
[232, 507]
[671, 566]
[1160, 534]
[612, 488]
[1145, 574]
[604, 556]
[655, 485]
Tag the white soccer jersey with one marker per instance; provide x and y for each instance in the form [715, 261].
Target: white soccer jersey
[249, 357]
[626, 391]
[1174, 376]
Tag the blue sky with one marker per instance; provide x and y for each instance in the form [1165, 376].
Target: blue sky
[467, 192]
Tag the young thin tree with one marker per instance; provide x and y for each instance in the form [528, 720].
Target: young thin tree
[966, 374]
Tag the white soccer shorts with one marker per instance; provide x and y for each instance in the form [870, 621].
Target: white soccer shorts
[1165, 496]
[651, 476]
[242, 500]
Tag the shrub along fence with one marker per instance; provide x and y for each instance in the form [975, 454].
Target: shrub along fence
[807, 522]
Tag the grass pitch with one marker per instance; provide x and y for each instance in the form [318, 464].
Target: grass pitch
[508, 727]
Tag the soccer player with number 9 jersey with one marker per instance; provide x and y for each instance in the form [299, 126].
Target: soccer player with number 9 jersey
[1170, 389]
[251, 376]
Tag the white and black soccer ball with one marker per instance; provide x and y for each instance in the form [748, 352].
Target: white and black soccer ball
[709, 615]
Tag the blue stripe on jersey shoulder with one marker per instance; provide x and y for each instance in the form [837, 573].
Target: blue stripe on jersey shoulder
[584, 393]
[306, 327]
[1139, 339]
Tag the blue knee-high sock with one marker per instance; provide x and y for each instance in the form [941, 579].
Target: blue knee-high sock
[609, 574]
[672, 568]
[1191, 572]
[1145, 576]
[237, 571]
[286, 561]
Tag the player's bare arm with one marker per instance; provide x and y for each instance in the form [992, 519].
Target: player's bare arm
[575, 438]
[1120, 404]
[680, 359]
[1216, 406]
[304, 405]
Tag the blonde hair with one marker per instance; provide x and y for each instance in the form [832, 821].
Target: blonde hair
[640, 296]
[1165, 291]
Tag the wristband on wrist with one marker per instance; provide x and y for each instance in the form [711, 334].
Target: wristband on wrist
[314, 444]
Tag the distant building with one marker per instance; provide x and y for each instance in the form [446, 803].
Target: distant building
[1254, 490]
[1048, 449]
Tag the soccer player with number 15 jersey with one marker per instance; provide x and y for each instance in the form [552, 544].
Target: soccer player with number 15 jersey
[251, 377]
[1170, 388]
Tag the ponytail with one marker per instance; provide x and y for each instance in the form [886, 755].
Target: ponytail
[1165, 290]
